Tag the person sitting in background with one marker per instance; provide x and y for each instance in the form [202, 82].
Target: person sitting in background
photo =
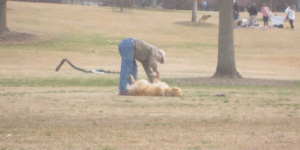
[252, 14]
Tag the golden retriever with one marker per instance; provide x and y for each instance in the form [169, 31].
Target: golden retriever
[144, 88]
[204, 18]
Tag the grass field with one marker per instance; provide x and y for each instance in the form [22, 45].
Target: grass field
[44, 109]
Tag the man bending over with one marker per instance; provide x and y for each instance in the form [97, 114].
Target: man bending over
[131, 50]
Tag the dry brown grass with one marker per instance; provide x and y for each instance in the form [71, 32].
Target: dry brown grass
[97, 118]
[270, 54]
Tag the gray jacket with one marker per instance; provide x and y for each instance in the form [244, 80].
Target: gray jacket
[147, 55]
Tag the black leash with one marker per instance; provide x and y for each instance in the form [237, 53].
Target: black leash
[86, 71]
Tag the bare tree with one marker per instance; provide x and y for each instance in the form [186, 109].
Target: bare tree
[271, 5]
[121, 5]
[3, 23]
[194, 11]
[226, 67]
[118, 3]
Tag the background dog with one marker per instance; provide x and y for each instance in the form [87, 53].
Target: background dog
[144, 88]
[204, 18]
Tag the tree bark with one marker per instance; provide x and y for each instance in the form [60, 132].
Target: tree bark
[121, 5]
[226, 67]
[3, 23]
[271, 5]
[275, 6]
[194, 11]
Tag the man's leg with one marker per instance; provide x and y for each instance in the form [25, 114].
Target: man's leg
[127, 53]
[134, 70]
[291, 23]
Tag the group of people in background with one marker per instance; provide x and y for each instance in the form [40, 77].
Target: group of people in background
[266, 13]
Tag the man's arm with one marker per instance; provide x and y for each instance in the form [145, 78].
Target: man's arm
[154, 68]
[287, 9]
[158, 75]
[150, 73]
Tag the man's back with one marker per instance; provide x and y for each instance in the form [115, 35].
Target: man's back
[252, 11]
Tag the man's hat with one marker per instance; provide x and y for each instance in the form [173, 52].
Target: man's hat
[162, 53]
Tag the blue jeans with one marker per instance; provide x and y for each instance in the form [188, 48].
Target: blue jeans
[128, 64]
[235, 16]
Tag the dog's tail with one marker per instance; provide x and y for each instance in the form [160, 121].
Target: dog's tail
[132, 79]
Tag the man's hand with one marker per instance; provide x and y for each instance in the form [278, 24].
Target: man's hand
[158, 75]
[156, 78]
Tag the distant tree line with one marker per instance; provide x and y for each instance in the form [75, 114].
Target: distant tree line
[44, 1]
[212, 5]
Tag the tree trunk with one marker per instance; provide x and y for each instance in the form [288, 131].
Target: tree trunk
[275, 6]
[271, 5]
[226, 67]
[3, 23]
[121, 5]
[194, 11]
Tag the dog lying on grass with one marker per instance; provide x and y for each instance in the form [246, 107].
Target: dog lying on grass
[158, 88]
[204, 18]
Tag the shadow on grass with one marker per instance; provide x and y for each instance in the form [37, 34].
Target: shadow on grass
[234, 82]
[195, 24]
[59, 82]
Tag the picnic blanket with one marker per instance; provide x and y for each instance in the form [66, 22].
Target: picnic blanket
[277, 20]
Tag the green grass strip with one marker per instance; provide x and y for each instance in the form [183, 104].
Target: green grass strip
[59, 82]
[69, 43]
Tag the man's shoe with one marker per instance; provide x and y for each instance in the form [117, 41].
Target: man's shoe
[123, 93]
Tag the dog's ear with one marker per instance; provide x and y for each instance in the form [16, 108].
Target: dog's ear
[172, 91]
[166, 92]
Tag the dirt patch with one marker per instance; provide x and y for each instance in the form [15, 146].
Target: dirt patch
[190, 23]
[243, 81]
[16, 37]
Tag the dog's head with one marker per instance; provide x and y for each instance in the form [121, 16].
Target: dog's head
[174, 91]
